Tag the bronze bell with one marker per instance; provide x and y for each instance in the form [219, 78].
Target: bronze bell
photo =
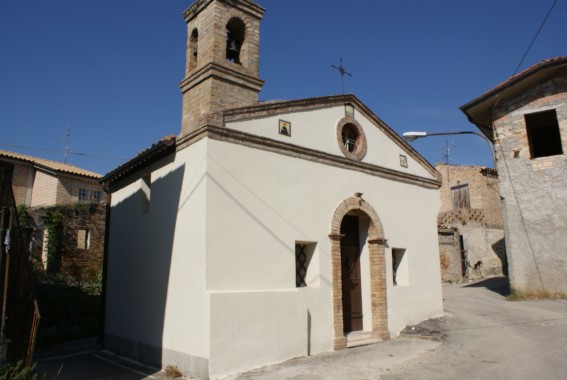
[232, 50]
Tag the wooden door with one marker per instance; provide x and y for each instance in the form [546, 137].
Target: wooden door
[350, 263]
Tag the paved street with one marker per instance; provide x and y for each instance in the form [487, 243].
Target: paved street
[491, 338]
[84, 359]
[483, 336]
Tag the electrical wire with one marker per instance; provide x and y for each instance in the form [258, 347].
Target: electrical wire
[507, 168]
[535, 37]
[520, 212]
[504, 158]
[62, 151]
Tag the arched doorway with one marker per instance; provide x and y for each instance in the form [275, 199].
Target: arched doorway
[355, 220]
[351, 281]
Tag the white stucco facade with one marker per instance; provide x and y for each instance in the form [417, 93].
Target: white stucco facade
[202, 275]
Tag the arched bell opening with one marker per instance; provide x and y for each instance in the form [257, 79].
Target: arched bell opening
[235, 34]
[193, 49]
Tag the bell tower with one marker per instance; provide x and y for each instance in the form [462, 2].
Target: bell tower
[222, 69]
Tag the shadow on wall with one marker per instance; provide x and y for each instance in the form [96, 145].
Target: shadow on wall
[139, 261]
[499, 249]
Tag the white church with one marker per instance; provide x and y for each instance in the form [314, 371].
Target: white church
[265, 230]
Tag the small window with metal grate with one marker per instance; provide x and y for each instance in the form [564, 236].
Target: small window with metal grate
[306, 265]
[400, 269]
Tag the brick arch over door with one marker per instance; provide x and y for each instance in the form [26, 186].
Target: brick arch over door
[358, 206]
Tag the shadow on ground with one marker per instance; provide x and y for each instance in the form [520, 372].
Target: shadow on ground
[500, 285]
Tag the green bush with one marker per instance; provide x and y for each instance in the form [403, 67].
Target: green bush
[67, 313]
[17, 372]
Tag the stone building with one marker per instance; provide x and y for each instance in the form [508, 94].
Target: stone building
[80, 233]
[471, 233]
[265, 231]
[526, 117]
[44, 186]
[40, 182]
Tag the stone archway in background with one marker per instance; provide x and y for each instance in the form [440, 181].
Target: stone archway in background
[379, 302]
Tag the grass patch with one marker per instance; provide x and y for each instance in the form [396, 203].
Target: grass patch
[535, 295]
[172, 372]
[18, 371]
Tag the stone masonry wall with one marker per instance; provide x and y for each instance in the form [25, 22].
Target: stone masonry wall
[68, 189]
[44, 190]
[484, 251]
[212, 83]
[49, 190]
[20, 183]
[534, 191]
[484, 191]
[78, 261]
[480, 226]
[450, 256]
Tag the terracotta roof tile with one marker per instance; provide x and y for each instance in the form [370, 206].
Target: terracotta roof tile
[522, 73]
[48, 164]
[141, 160]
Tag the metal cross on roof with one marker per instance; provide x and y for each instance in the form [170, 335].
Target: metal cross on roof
[342, 71]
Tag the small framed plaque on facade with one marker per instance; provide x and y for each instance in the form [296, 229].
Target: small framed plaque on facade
[349, 110]
[403, 161]
[284, 128]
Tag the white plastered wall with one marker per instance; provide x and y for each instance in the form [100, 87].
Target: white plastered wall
[259, 204]
[156, 264]
[316, 129]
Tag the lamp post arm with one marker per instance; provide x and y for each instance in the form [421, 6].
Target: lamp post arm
[490, 145]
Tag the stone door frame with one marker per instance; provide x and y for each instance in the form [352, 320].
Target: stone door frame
[378, 296]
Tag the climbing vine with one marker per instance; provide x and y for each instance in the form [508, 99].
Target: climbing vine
[53, 220]
[23, 216]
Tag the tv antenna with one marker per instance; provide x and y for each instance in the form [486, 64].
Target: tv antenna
[342, 72]
[67, 141]
[448, 146]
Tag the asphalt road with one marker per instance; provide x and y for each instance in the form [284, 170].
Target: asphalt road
[488, 337]
[84, 359]
[481, 336]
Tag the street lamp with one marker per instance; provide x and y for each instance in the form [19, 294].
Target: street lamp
[410, 136]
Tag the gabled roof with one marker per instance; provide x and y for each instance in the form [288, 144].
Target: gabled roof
[158, 150]
[49, 165]
[273, 107]
[478, 110]
[170, 144]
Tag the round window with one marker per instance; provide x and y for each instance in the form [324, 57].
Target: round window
[351, 139]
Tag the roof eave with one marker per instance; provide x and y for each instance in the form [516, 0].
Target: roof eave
[324, 101]
[478, 110]
[142, 160]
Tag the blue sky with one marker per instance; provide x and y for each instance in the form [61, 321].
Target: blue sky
[110, 68]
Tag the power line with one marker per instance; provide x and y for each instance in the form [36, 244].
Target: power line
[522, 217]
[507, 168]
[64, 152]
[535, 37]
